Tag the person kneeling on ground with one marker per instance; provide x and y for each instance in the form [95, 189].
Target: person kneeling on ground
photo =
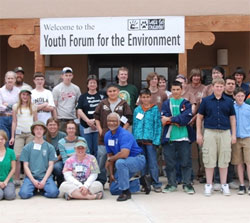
[125, 156]
[80, 172]
[38, 157]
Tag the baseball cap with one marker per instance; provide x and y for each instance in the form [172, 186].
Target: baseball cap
[67, 70]
[25, 89]
[19, 69]
[81, 143]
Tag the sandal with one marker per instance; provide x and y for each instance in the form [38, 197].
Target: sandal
[67, 197]
[99, 195]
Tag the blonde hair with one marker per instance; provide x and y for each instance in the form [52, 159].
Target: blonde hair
[4, 135]
[218, 81]
[29, 105]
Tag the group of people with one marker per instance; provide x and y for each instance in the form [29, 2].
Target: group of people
[71, 144]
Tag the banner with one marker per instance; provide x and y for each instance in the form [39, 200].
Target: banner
[112, 35]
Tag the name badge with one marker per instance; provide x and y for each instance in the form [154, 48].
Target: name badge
[124, 120]
[139, 116]
[79, 168]
[111, 142]
[37, 146]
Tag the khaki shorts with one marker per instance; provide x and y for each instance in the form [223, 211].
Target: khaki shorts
[216, 148]
[20, 141]
[241, 151]
[69, 188]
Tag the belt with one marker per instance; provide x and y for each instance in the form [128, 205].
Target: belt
[5, 114]
[65, 120]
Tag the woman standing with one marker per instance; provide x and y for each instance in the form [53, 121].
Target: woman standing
[23, 115]
[52, 136]
[85, 109]
[80, 172]
[8, 97]
[7, 167]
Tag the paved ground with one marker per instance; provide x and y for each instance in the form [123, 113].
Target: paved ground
[176, 207]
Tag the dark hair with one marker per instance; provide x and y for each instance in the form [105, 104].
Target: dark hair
[229, 78]
[92, 77]
[71, 122]
[47, 135]
[238, 90]
[113, 85]
[176, 83]
[239, 70]
[38, 74]
[162, 77]
[220, 69]
[145, 91]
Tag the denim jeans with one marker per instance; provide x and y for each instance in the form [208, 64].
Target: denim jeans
[151, 166]
[125, 169]
[5, 124]
[9, 192]
[101, 159]
[182, 151]
[57, 172]
[92, 140]
[28, 188]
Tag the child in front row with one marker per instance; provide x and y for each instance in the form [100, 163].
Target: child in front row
[147, 132]
[241, 150]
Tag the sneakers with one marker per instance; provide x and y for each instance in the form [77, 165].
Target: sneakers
[169, 189]
[146, 184]
[225, 189]
[17, 183]
[157, 189]
[208, 189]
[188, 188]
[249, 190]
[125, 195]
[233, 185]
[242, 190]
[217, 187]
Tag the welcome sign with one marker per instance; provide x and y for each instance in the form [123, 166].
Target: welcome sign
[112, 35]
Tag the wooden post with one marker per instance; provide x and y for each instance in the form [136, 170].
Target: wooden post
[182, 65]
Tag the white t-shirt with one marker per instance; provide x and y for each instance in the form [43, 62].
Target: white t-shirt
[40, 97]
[66, 98]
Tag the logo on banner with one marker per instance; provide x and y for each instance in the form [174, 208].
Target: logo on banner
[146, 24]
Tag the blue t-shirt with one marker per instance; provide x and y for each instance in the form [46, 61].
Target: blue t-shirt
[217, 112]
[38, 157]
[122, 139]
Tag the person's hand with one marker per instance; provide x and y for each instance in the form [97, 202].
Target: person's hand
[199, 139]
[2, 185]
[91, 122]
[111, 178]
[165, 120]
[41, 184]
[233, 141]
[84, 190]
[36, 183]
[12, 140]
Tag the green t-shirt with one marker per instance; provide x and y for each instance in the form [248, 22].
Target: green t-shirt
[129, 93]
[38, 157]
[5, 164]
[178, 133]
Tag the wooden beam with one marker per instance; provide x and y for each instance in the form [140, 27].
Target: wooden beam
[182, 64]
[18, 26]
[217, 23]
[191, 38]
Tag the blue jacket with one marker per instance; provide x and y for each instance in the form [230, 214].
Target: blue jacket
[149, 127]
[182, 119]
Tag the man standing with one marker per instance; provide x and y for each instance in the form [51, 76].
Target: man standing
[20, 77]
[128, 92]
[42, 98]
[125, 155]
[38, 157]
[66, 95]
[219, 118]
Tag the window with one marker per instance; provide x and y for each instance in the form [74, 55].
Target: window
[107, 75]
[146, 70]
